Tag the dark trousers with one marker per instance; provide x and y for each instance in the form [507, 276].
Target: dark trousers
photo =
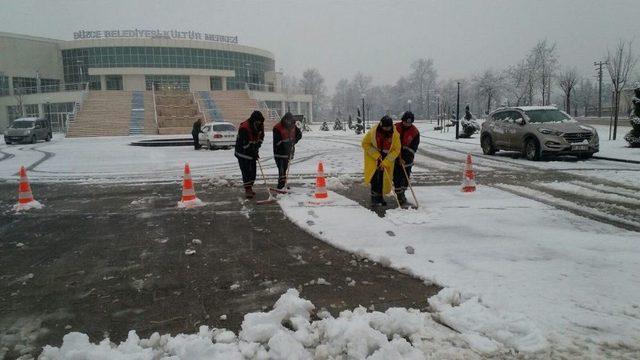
[400, 182]
[196, 141]
[248, 168]
[282, 164]
[376, 183]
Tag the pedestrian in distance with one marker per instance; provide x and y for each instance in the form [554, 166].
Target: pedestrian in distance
[285, 137]
[381, 146]
[195, 133]
[409, 141]
[248, 142]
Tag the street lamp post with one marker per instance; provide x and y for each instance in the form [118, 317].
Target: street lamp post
[248, 81]
[458, 113]
[409, 104]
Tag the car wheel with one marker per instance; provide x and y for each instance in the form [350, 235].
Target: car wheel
[7, 142]
[487, 145]
[532, 149]
[33, 139]
[585, 156]
[48, 138]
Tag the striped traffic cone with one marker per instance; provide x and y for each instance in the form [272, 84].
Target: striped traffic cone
[189, 198]
[468, 177]
[25, 196]
[321, 184]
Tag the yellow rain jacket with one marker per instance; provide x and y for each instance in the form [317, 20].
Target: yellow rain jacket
[372, 153]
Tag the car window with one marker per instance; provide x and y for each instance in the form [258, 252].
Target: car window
[22, 125]
[206, 128]
[223, 127]
[545, 116]
[512, 116]
[498, 116]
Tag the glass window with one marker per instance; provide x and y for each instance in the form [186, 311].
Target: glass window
[223, 127]
[24, 85]
[4, 85]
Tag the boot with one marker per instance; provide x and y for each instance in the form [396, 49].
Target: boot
[382, 201]
[248, 192]
[401, 198]
[281, 184]
[375, 201]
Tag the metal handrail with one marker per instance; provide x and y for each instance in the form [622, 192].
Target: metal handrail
[199, 108]
[155, 107]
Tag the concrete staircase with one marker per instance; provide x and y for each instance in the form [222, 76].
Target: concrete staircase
[236, 106]
[103, 113]
[177, 112]
[109, 113]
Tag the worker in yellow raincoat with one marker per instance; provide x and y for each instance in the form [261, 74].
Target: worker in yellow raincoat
[381, 146]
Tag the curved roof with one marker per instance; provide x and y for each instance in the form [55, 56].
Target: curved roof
[161, 42]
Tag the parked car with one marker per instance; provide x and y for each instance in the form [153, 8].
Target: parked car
[218, 135]
[28, 130]
[537, 131]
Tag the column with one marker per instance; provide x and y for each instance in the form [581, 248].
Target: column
[298, 108]
[283, 107]
[224, 83]
[103, 82]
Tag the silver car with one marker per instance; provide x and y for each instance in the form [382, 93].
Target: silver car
[28, 130]
[537, 131]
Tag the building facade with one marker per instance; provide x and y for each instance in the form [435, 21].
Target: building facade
[45, 77]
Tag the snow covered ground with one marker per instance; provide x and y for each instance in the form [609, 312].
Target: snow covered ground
[517, 274]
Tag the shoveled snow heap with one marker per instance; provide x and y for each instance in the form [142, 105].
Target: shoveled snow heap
[287, 332]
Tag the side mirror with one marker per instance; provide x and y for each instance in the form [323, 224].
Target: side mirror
[519, 121]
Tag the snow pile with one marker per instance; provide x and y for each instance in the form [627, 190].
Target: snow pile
[340, 182]
[190, 204]
[481, 324]
[17, 208]
[286, 332]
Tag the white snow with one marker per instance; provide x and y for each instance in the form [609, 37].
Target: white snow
[190, 204]
[518, 274]
[18, 207]
[286, 332]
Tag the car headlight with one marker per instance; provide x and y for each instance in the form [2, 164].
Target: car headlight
[549, 132]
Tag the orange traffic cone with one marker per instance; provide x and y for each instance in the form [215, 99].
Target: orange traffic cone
[189, 198]
[468, 177]
[321, 183]
[25, 196]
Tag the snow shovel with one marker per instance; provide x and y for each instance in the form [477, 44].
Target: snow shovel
[271, 199]
[409, 182]
[390, 178]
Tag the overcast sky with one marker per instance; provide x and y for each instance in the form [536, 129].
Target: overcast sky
[379, 38]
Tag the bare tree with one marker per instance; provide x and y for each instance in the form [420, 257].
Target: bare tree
[585, 94]
[620, 64]
[488, 86]
[567, 79]
[543, 61]
[18, 94]
[423, 77]
[517, 81]
[312, 83]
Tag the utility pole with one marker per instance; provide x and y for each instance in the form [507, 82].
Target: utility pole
[458, 113]
[599, 65]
